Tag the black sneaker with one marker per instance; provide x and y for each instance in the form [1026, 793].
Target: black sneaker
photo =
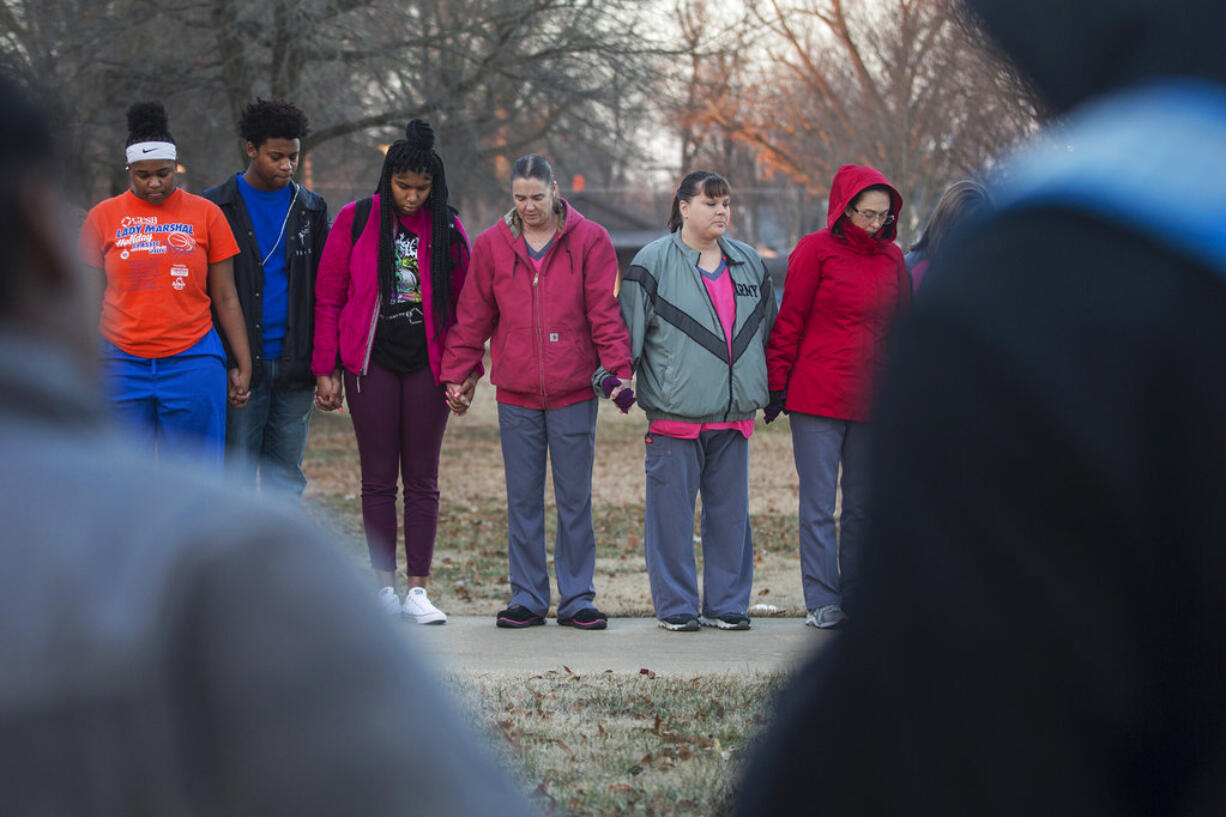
[682, 622]
[517, 616]
[731, 621]
[587, 619]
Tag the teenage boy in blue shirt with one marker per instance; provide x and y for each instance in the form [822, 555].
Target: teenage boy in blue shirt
[280, 227]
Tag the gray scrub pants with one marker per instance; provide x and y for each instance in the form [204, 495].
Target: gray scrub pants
[568, 435]
[716, 464]
[819, 444]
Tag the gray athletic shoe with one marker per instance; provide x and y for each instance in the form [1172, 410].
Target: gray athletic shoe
[828, 617]
[731, 621]
[681, 622]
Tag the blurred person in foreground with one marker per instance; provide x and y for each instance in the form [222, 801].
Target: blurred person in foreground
[1043, 606]
[168, 647]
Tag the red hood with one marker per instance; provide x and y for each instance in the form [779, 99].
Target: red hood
[848, 183]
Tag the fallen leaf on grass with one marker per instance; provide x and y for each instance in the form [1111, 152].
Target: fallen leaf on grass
[620, 787]
[543, 791]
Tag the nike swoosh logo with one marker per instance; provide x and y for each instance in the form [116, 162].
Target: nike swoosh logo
[147, 150]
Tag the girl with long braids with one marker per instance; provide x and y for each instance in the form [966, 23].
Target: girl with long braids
[389, 277]
[167, 256]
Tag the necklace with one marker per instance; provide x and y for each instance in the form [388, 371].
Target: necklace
[284, 222]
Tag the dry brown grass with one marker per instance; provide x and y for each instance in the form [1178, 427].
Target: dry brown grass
[470, 557]
[598, 744]
[616, 745]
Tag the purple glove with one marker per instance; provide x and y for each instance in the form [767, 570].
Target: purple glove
[624, 400]
[771, 412]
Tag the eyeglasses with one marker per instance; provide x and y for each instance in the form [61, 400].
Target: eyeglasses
[869, 215]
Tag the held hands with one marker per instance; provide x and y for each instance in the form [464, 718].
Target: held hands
[620, 393]
[329, 393]
[771, 412]
[238, 387]
[460, 395]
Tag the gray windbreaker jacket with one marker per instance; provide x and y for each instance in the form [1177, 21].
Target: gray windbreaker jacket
[678, 345]
[169, 646]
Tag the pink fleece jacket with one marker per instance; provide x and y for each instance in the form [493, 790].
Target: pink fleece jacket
[347, 292]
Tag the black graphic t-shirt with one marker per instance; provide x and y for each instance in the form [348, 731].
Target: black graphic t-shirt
[400, 335]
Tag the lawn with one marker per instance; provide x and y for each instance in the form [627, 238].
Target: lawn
[607, 744]
[613, 744]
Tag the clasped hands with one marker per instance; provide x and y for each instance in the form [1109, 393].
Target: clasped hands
[459, 396]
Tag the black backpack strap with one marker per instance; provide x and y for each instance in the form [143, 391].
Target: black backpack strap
[457, 238]
[361, 213]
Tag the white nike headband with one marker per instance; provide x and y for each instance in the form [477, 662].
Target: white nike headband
[151, 150]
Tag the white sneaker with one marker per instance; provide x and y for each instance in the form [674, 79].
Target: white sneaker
[418, 609]
[389, 601]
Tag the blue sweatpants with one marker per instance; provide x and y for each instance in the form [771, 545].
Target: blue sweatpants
[173, 405]
[819, 445]
[715, 465]
[568, 436]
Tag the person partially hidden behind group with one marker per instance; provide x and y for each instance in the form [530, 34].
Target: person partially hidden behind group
[962, 202]
[167, 256]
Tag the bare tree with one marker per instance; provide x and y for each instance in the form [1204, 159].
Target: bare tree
[495, 77]
[906, 86]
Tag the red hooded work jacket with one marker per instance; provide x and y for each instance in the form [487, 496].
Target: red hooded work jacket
[548, 331]
[843, 289]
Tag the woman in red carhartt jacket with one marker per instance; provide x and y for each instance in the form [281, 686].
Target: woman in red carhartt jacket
[844, 286]
[540, 287]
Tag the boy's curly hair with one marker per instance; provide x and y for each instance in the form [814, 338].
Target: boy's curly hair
[267, 119]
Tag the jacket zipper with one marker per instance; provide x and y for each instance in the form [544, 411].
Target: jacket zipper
[731, 336]
[540, 333]
[732, 332]
[370, 339]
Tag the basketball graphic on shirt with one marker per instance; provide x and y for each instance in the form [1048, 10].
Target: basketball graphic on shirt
[181, 241]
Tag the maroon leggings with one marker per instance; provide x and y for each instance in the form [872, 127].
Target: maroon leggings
[399, 421]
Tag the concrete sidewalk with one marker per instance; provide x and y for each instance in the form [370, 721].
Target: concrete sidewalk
[473, 645]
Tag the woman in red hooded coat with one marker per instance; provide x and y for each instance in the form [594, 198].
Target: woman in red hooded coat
[845, 284]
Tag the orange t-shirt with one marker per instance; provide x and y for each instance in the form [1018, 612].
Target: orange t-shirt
[156, 258]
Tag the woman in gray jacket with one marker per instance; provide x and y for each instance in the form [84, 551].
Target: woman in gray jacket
[699, 308]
